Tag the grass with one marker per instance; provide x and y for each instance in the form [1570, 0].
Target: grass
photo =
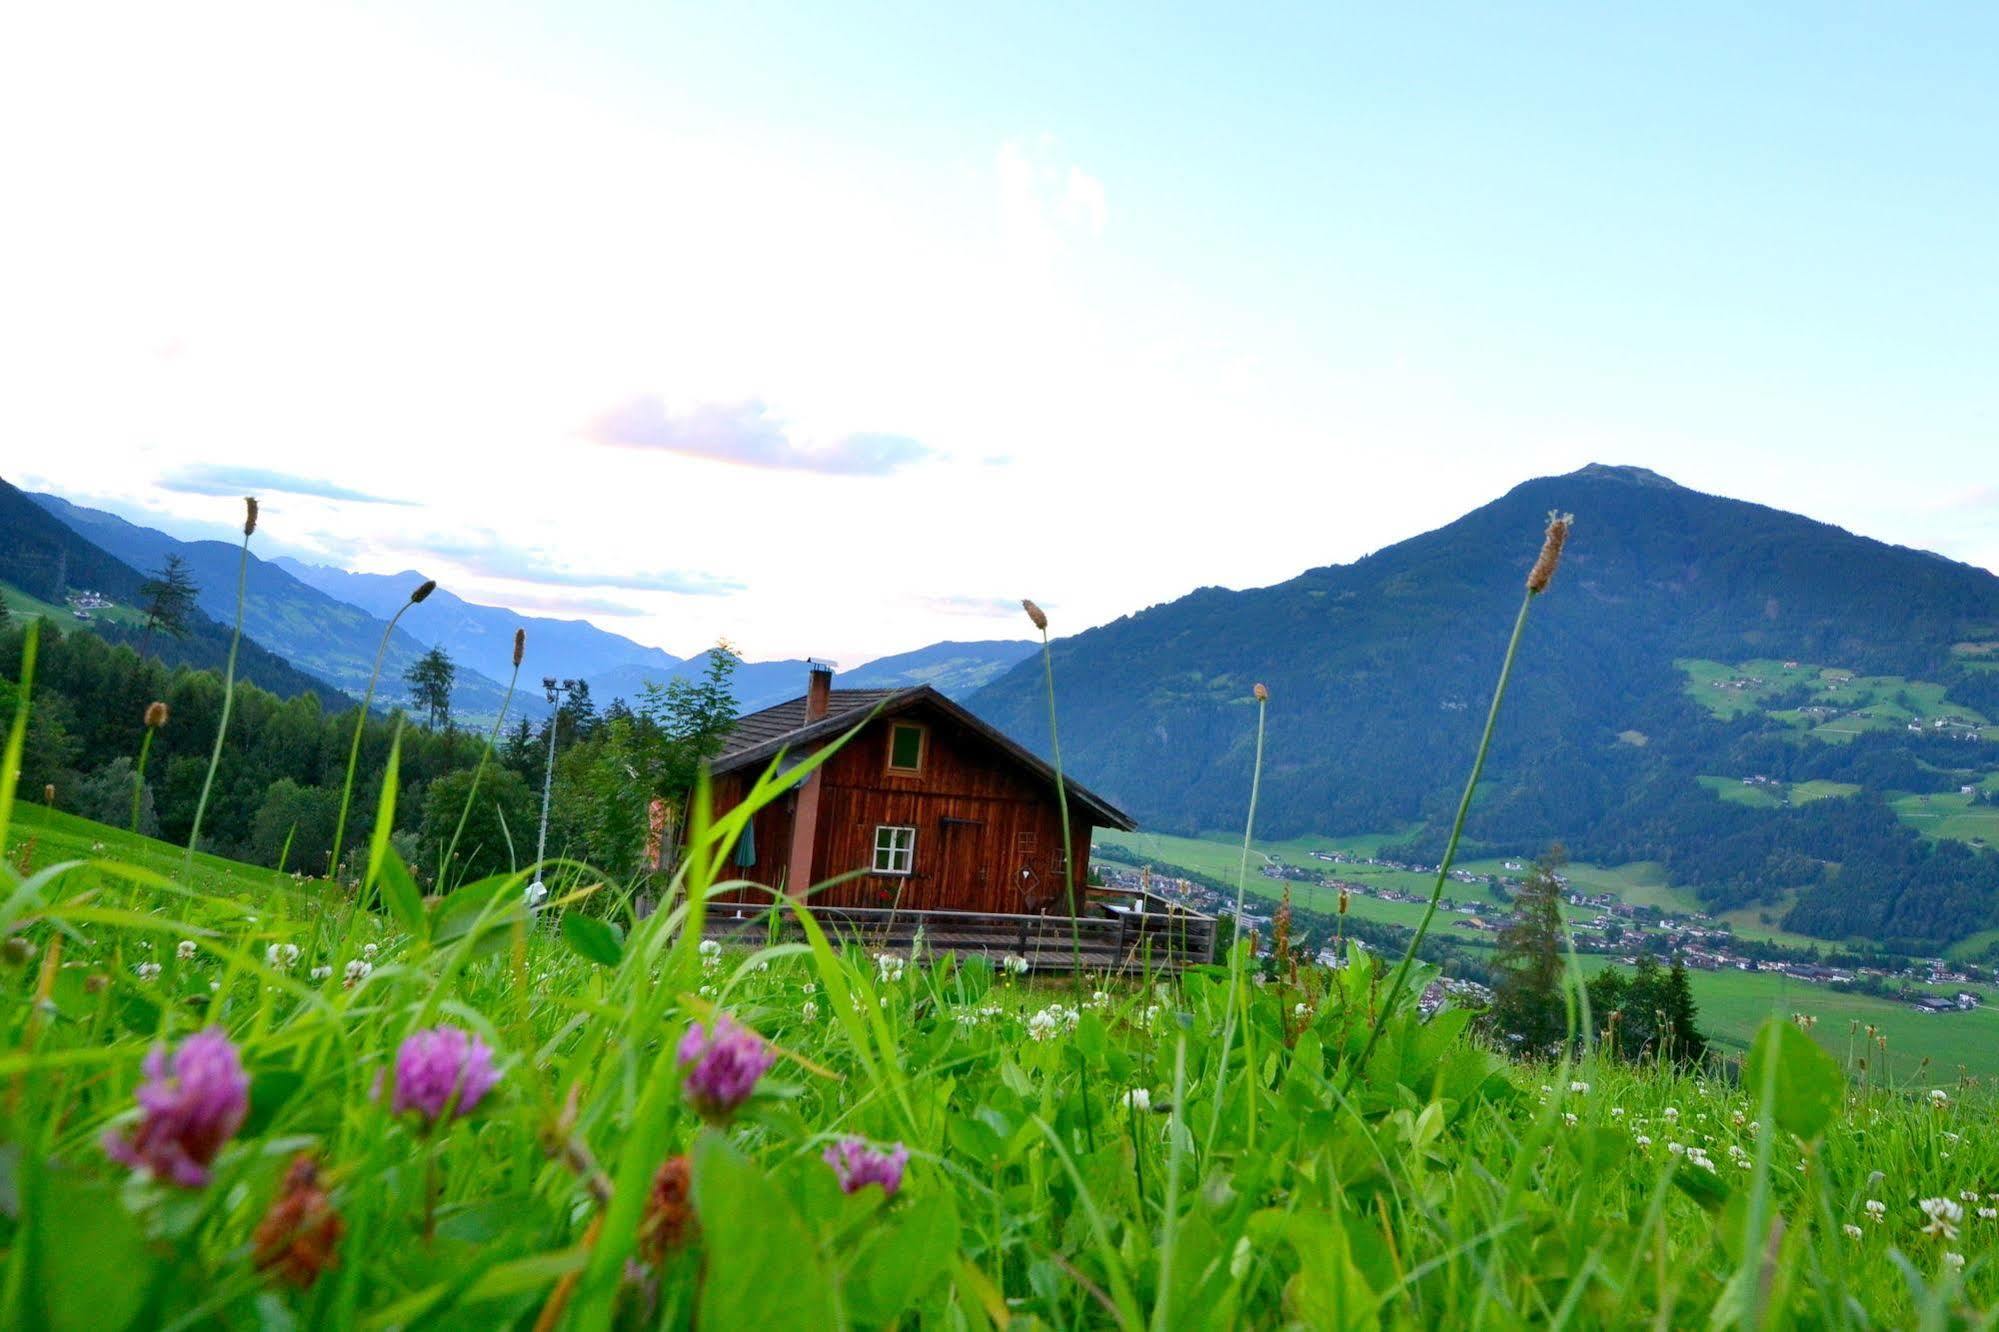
[1949, 815]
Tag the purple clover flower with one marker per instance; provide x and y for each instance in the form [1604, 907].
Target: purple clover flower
[722, 1066]
[859, 1164]
[440, 1070]
[194, 1101]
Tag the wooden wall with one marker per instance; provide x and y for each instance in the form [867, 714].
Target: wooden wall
[988, 830]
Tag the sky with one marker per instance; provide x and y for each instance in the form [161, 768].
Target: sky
[836, 330]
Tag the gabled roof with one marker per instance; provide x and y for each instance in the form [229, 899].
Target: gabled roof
[758, 737]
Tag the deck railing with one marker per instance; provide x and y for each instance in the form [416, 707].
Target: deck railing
[1145, 935]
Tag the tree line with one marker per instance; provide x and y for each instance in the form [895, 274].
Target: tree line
[277, 791]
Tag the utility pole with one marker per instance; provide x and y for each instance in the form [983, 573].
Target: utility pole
[556, 690]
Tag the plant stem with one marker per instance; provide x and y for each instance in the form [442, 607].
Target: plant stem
[1450, 847]
[222, 727]
[1068, 842]
[1238, 942]
[139, 777]
[477, 771]
[354, 750]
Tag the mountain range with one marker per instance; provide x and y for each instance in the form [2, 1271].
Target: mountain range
[328, 622]
[1668, 602]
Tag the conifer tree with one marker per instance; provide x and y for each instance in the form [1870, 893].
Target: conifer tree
[1528, 1008]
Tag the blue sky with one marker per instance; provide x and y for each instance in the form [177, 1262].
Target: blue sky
[714, 304]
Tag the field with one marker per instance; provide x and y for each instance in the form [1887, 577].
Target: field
[935, 1144]
[1950, 815]
[22, 604]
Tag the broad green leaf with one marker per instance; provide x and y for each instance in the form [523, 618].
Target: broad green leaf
[592, 939]
[399, 892]
[1807, 1085]
[269, 1090]
[764, 1270]
[95, 1267]
[906, 1256]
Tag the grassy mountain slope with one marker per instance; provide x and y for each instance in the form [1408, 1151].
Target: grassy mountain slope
[1380, 669]
[37, 550]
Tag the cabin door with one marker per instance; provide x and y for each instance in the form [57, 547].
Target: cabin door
[965, 869]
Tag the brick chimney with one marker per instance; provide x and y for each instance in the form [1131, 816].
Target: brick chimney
[818, 689]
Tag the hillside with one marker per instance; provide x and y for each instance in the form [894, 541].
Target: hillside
[318, 633]
[1380, 669]
[41, 558]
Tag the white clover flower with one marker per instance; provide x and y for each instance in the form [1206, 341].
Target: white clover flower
[1642, 1140]
[1677, 1148]
[1617, 1112]
[1150, 1015]
[1299, 1010]
[708, 992]
[368, 950]
[357, 971]
[810, 987]
[1014, 963]
[1579, 1088]
[1138, 1098]
[1943, 1217]
[148, 971]
[1099, 999]
[1041, 1026]
[1739, 1118]
[1850, 1230]
[809, 1011]
[1988, 1214]
[1670, 1114]
[1570, 1120]
[319, 974]
[1939, 1097]
[1968, 1195]
[1955, 1261]
[186, 950]
[281, 957]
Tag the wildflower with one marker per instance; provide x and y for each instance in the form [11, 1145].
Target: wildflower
[1944, 1216]
[156, 715]
[710, 992]
[1014, 963]
[1739, 1118]
[857, 1164]
[1955, 1261]
[185, 950]
[298, 1236]
[1300, 1010]
[888, 967]
[1876, 1210]
[709, 948]
[669, 1221]
[1988, 1214]
[1138, 1098]
[368, 950]
[1579, 1088]
[1850, 1230]
[193, 1102]
[1035, 614]
[281, 957]
[1261, 694]
[1570, 1120]
[442, 1072]
[1551, 552]
[1670, 1114]
[320, 973]
[1968, 1195]
[810, 987]
[148, 971]
[1642, 1140]
[809, 1011]
[357, 971]
[721, 1065]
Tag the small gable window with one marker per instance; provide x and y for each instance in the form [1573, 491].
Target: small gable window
[906, 742]
[895, 849]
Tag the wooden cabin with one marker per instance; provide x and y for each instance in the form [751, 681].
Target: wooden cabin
[928, 812]
[937, 810]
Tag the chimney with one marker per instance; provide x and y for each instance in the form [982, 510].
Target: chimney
[818, 689]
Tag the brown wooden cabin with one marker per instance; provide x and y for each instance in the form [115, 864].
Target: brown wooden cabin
[928, 810]
[938, 810]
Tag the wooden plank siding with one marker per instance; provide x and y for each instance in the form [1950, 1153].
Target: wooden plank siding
[988, 832]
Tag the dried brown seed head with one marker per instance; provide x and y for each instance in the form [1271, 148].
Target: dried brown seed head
[249, 514]
[520, 644]
[424, 589]
[299, 1236]
[1262, 694]
[156, 715]
[669, 1221]
[1551, 551]
[1035, 614]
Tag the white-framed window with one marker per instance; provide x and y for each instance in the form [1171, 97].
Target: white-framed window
[895, 849]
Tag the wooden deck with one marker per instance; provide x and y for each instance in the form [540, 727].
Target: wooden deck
[1113, 936]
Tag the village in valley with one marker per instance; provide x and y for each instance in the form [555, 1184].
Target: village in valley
[1600, 923]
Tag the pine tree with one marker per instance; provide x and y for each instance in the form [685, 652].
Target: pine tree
[1528, 1007]
[169, 601]
[1683, 1036]
[430, 679]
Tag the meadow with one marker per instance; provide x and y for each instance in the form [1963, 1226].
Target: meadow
[240, 1099]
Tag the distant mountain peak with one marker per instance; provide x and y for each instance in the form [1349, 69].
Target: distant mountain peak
[1637, 476]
